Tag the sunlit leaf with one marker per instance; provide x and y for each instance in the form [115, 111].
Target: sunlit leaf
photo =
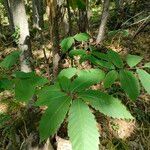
[129, 84]
[82, 128]
[53, 117]
[82, 37]
[110, 78]
[87, 78]
[147, 65]
[65, 83]
[145, 79]
[106, 104]
[133, 60]
[69, 73]
[77, 52]
[66, 43]
[115, 59]
[48, 93]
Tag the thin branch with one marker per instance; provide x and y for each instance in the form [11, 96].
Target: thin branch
[123, 24]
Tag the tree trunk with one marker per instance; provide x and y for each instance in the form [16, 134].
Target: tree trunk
[21, 26]
[83, 18]
[54, 18]
[69, 18]
[37, 7]
[6, 4]
[104, 18]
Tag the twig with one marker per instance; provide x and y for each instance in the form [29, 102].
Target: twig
[144, 19]
[142, 26]
[123, 24]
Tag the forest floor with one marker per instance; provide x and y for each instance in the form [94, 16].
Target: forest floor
[115, 134]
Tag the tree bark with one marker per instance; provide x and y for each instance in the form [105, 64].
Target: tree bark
[104, 18]
[83, 18]
[69, 18]
[54, 18]
[6, 4]
[37, 7]
[21, 26]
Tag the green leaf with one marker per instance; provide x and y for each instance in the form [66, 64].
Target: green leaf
[106, 104]
[82, 37]
[24, 90]
[87, 78]
[39, 81]
[147, 65]
[133, 60]
[6, 84]
[115, 58]
[10, 60]
[100, 55]
[145, 79]
[84, 58]
[24, 75]
[81, 4]
[65, 83]
[66, 43]
[48, 93]
[77, 52]
[110, 78]
[101, 63]
[53, 117]
[31, 77]
[82, 128]
[69, 73]
[129, 84]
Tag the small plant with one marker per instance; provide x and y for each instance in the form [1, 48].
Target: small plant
[16, 35]
[72, 93]
[115, 67]
[71, 97]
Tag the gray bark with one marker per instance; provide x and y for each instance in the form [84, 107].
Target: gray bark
[37, 7]
[104, 18]
[21, 23]
[6, 4]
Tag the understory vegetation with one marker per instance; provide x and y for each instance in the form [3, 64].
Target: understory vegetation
[74, 75]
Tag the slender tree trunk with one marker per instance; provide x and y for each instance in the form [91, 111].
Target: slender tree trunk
[54, 18]
[21, 26]
[104, 18]
[6, 4]
[69, 18]
[83, 18]
[37, 7]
